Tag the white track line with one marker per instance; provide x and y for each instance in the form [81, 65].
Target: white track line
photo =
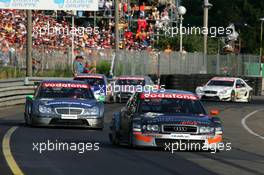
[243, 121]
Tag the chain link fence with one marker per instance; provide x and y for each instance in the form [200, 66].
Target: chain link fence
[46, 59]
[138, 62]
[143, 62]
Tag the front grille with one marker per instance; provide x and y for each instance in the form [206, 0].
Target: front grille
[126, 94]
[179, 129]
[210, 92]
[67, 122]
[193, 144]
[69, 111]
[210, 98]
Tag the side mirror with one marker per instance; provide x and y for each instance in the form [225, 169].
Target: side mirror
[214, 112]
[101, 99]
[29, 97]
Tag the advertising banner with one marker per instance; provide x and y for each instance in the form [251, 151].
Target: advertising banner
[81, 5]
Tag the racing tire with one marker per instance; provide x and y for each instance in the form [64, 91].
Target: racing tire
[233, 96]
[27, 117]
[113, 137]
[131, 145]
[249, 99]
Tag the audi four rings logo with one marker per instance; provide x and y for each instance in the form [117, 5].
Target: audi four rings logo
[180, 128]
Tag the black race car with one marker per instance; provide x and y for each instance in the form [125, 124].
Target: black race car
[64, 103]
[158, 118]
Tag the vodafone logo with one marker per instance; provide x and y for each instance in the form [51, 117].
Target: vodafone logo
[176, 96]
[65, 85]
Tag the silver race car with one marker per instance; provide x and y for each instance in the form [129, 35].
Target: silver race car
[64, 103]
[225, 89]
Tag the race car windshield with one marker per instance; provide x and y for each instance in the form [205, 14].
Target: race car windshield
[92, 81]
[172, 106]
[220, 83]
[130, 82]
[55, 92]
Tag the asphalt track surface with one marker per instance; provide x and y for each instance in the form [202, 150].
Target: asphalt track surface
[245, 157]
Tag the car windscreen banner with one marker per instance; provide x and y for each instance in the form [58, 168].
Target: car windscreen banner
[65, 85]
[83, 5]
[172, 96]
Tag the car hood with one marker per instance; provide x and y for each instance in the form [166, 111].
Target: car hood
[216, 88]
[54, 103]
[181, 119]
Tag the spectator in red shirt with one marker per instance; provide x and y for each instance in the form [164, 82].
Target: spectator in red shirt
[142, 24]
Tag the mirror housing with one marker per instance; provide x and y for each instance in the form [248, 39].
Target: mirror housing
[214, 112]
[29, 97]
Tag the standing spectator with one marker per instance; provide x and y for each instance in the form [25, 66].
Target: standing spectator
[142, 10]
[78, 66]
[142, 24]
[101, 4]
[108, 7]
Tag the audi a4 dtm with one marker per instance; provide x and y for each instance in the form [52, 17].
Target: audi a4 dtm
[158, 118]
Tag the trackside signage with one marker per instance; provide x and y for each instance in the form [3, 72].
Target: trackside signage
[64, 85]
[84, 5]
[176, 96]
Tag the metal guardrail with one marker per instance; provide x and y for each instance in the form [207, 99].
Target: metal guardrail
[14, 91]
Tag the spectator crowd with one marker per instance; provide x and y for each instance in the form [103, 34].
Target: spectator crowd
[139, 22]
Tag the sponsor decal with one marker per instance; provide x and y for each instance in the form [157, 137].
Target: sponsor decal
[87, 5]
[130, 78]
[175, 120]
[68, 103]
[65, 85]
[90, 76]
[188, 123]
[224, 79]
[174, 96]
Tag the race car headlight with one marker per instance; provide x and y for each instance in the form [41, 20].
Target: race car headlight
[136, 127]
[44, 109]
[154, 128]
[98, 92]
[91, 111]
[199, 90]
[223, 92]
[203, 130]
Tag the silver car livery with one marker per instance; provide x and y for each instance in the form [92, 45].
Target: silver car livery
[64, 103]
[225, 89]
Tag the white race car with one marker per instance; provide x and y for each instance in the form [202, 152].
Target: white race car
[225, 89]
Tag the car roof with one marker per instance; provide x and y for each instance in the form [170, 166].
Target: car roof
[225, 78]
[131, 76]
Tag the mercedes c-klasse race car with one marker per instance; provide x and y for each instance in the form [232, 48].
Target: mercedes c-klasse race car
[161, 118]
[225, 89]
[124, 86]
[98, 83]
[64, 103]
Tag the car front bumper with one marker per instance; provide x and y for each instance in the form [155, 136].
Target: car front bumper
[217, 97]
[79, 122]
[195, 142]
